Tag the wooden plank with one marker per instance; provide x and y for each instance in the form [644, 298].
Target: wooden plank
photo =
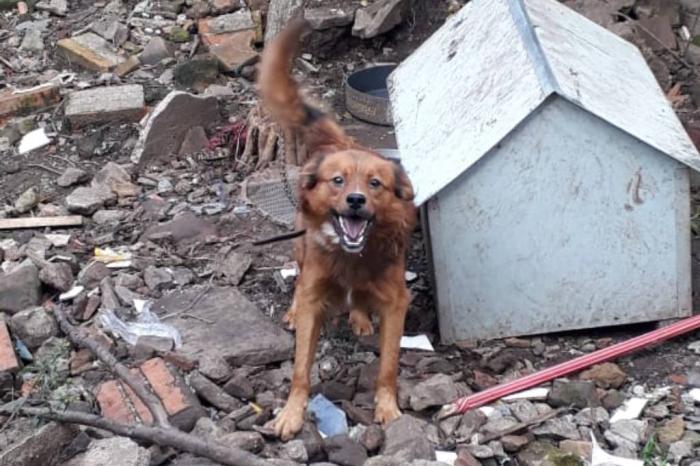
[40, 222]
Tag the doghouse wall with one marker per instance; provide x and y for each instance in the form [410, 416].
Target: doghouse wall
[569, 223]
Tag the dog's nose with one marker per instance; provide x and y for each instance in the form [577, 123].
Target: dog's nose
[356, 200]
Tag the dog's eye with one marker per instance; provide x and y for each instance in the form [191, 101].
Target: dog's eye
[374, 183]
[338, 181]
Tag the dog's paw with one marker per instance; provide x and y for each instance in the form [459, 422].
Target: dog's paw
[386, 409]
[290, 318]
[361, 323]
[289, 422]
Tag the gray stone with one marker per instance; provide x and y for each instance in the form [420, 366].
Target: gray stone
[240, 387]
[27, 200]
[117, 179]
[111, 29]
[108, 217]
[234, 266]
[372, 438]
[72, 176]
[215, 368]
[524, 410]
[195, 140]
[33, 326]
[499, 424]
[406, 438]
[156, 50]
[32, 41]
[513, 443]
[20, 288]
[86, 200]
[680, 450]
[579, 393]
[279, 14]
[169, 122]
[559, 428]
[58, 275]
[436, 391]
[197, 73]
[343, 451]
[55, 7]
[326, 17]
[213, 394]
[242, 334]
[105, 105]
[39, 446]
[248, 441]
[108, 450]
[92, 274]
[470, 423]
[378, 18]
[128, 280]
[628, 434]
[592, 416]
[157, 278]
[296, 451]
[241, 20]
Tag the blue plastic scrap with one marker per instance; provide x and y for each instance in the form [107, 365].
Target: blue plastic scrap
[330, 420]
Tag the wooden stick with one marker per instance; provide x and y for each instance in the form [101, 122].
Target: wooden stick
[77, 336]
[164, 436]
[40, 222]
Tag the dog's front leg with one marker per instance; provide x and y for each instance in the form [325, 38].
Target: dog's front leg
[392, 315]
[308, 304]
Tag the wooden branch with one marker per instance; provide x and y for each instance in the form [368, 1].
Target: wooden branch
[40, 222]
[164, 436]
[77, 336]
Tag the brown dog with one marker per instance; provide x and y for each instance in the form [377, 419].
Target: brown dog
[358, 212]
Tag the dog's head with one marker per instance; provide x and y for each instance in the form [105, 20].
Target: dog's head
[351, 195]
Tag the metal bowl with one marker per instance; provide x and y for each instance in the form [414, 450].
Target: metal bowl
[367, 96]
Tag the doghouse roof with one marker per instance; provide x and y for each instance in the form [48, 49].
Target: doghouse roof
[494, 62]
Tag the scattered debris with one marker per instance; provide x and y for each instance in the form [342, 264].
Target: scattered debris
[33, 140]
[105, 105]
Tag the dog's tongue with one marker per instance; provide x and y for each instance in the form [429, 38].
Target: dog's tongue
[353, 227]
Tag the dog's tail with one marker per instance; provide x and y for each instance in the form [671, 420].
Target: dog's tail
[281, 96]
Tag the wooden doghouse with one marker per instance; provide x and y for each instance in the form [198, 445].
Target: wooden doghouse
[552, 171]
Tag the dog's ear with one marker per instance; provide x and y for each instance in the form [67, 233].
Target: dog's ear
[402, 185]
[309, 173]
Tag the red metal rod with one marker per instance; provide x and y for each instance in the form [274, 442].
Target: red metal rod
[606, 354]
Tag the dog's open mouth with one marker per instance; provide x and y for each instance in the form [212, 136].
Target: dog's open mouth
[352, 230]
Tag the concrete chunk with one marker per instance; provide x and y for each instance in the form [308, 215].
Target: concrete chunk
[105, 105]
[89, 51]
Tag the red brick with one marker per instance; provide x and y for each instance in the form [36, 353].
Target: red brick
[8, 359]
[24, 100]
[165, 385]
[112, 403]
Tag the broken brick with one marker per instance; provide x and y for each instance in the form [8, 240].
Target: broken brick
[23, 100]
[113, 404]
[89, 51]
[105, 105]
[231, 44]
[8, 359]
[179, 402]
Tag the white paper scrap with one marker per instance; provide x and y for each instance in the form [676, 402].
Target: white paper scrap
[72, 293]
[420, 342]
[447, 457]
[631, 409]
[33, 140]
[539, 393]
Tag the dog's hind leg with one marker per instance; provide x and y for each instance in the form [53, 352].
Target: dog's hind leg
[360, 322]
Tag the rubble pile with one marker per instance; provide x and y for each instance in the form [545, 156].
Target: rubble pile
[120, 126]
